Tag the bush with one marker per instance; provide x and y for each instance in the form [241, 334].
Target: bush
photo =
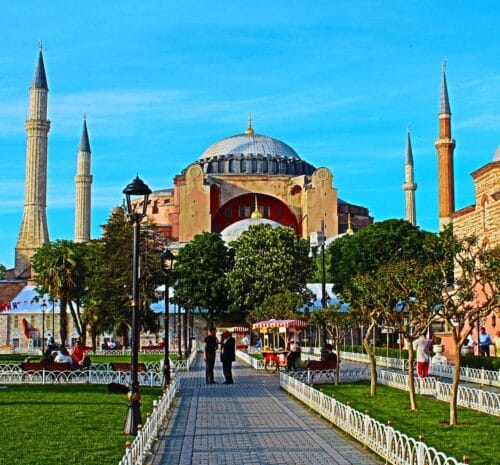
[474, 361]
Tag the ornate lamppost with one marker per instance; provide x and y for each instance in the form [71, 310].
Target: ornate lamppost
[317, 240]
[167, 265]
[136, 194]
[43, 308]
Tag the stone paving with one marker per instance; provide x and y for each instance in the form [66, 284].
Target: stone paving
[252, 422]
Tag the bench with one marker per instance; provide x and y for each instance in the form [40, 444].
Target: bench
[321, 365]
[49, 366]
[127, 366]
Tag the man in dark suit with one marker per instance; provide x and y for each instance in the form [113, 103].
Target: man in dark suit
[209, 349]
[227, 356]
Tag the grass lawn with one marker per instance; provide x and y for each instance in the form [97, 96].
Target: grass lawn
[64, 424]
[477, 434]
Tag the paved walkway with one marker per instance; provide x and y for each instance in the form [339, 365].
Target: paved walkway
[252, 422]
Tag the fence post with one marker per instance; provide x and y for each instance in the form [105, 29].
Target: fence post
[389, 433]
[421, 450]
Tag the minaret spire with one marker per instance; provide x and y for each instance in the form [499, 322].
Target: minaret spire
[256, 212]
[34, 231]
[445, 146]
[83, 183]
[409, 186]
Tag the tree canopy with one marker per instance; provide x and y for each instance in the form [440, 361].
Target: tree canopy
[267, 261]
[201, 268]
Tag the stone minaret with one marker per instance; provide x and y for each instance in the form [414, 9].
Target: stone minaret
[445, 146]
[83, 182]
[34, 231]
[409, 185]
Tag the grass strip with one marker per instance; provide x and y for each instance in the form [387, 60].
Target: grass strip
[477, 434]
[65, 424]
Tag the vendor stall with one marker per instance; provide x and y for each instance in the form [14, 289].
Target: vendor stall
[277, 335]
[240, 336]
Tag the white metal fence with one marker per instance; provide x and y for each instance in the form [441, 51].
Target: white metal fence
[252, 361]
[471, 375]
[395, 447]
[141, 448]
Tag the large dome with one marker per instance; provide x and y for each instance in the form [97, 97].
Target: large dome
[251, 153]
[250, 144]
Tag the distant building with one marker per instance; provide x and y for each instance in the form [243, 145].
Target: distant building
[238, 172]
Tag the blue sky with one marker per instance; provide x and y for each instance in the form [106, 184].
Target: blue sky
[161, 81]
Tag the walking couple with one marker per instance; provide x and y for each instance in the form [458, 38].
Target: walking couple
[227, 355]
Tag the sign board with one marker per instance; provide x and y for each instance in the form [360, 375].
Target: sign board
[282, 330]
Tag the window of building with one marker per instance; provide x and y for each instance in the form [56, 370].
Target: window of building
[32, 321]
[243, 166]
[254, 165]
[242, 211]
[265, 211]
[231, 166]
[228, 212]
[16, 321]
[264, 166]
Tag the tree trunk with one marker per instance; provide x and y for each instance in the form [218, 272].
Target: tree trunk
[63, 323]
[454, 387]
[76, 320]
[337, 371]
[373, 362]
[411, 376]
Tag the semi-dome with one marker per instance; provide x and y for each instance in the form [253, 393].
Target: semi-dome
[496, 157]
[235, 230]
[252, 153]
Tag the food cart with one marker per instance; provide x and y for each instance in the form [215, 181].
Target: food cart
[239, 336]
[276, 334]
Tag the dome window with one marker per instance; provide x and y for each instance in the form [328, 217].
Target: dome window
[254, 165]
[243, 166]
[231, 166]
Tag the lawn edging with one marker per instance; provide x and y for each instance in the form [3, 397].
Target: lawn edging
[141, 446]
[395, 447]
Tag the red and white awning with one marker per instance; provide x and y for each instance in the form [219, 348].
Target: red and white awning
[279, 324]
[239, 329]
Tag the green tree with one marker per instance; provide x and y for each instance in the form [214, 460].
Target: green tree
[2, 271]
[283, 306]
[108, 292]
[267, 261]
[60, 272]
[352, 259]
[337, 322]
[397, 294]
[471, 295]
[201, 268]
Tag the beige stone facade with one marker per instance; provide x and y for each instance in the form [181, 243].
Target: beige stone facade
[234, 174]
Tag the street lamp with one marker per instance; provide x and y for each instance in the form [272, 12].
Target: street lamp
[167, 265]
[43, 308]
[317, 239]
[135, 193]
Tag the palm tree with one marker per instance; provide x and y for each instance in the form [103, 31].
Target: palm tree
[59, 271]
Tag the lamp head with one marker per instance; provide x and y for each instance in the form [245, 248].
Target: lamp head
[43, 307]
[136, 191]
[167, 261]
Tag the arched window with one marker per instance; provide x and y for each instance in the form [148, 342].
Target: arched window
[243, 166]
[264, 166]
[231, 166]
[254, 165]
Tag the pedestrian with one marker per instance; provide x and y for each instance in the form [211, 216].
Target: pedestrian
[484, 342]
[496, 342]
[78, 354]
[209, 349]
[227, 356]
[293, 357]
[422, 346]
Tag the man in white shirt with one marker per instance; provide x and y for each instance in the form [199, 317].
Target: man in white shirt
[422, 346]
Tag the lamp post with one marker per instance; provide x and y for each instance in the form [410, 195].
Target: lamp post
[167, 266]
[43, 308]
[135, 193]
[53, 318]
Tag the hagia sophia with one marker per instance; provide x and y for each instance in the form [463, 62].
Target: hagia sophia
[232, 178]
